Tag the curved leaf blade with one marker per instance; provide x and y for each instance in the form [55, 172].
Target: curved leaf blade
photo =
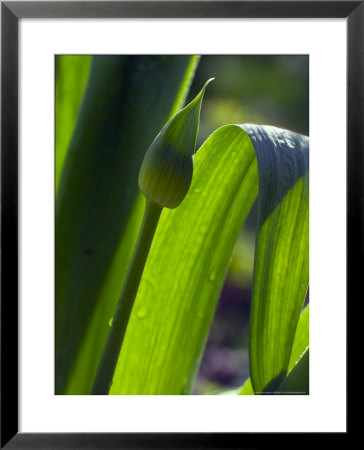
[281, 255]
[185, 270]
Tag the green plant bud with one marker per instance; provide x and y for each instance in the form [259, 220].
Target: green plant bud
[166, 172]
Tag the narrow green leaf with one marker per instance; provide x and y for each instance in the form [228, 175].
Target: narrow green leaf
[281, 255]
[127, 101]
[72, 73]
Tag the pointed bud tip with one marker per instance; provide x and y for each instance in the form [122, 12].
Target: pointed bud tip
[202, 91]
[166, 172]
[207, 83]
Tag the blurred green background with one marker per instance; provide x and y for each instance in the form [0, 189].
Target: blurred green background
[261, 89]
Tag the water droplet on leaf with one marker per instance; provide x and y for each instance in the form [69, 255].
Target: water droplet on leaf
[212, 276]
[142, 313]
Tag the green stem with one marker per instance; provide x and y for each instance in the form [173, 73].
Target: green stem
[105, 371]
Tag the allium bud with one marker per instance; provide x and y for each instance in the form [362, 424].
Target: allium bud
[166, 172]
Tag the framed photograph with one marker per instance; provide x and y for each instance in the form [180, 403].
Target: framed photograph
[168, 265]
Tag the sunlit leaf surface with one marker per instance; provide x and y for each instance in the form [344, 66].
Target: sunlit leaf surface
[185, 270]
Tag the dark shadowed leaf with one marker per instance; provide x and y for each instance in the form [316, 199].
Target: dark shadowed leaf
[281, 254]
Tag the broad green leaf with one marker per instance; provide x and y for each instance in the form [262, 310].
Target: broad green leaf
[300, 345]
[189, 257]
[127, 101]
[281, 254]
[297, 381]
[185, 270]
[72, 73]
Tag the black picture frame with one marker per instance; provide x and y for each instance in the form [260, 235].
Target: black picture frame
[11, 12]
